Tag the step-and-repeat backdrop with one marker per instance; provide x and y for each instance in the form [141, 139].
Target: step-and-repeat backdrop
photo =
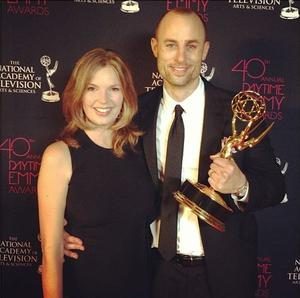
[255, 44]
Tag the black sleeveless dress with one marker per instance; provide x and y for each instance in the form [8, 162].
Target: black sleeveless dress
[110, 205]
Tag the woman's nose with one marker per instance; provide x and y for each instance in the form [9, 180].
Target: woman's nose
[102, 96]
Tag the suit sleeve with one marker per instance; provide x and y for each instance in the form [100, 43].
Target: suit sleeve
[266, 182]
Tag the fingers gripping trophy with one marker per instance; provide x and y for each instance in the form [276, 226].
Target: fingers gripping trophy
[50, 95]
[249, 109]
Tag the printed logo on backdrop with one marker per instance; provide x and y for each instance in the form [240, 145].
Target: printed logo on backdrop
[157, 80]
[49, 95]
[289, 12]
[21, 165]
[18, 78]
[294, 275]
[17, 253]
[255, 76]
[28, 7]
[204, 70]
[199, 6]
[95, 1]
[130, 6]
[284, 167]
[264, 277]
[263, 5]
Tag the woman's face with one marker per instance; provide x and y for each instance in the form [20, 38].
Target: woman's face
[103, 98]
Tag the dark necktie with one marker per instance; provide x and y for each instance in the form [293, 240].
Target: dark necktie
[172, 181]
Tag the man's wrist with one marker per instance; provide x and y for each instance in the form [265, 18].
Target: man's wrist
[241, 191]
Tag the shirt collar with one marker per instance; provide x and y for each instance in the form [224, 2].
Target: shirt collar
[189, 104]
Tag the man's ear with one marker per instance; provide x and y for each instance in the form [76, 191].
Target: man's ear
[154, 46]
[205, 50]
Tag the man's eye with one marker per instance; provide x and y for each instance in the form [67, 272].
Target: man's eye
[192, 46]
[170, 45]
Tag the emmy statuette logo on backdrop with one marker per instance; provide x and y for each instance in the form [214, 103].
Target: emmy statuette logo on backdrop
[204, 69]
[284, 167]
[249, 109]
[289, 13]
[49, 95]
[130, 6]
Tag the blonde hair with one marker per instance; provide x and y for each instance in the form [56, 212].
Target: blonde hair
[125, 132]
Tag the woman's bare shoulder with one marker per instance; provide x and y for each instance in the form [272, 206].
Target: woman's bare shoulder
[57, 151]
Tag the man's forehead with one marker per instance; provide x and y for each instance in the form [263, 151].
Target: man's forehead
[175, 26]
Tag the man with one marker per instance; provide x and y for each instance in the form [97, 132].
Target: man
[207, 263]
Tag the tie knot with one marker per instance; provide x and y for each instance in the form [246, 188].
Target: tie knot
[178, 110]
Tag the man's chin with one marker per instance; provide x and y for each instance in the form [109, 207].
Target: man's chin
[179, 82]
[178, 79]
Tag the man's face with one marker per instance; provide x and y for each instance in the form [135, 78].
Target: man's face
[180, 47]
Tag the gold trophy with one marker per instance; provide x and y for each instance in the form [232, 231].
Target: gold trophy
[249, 107]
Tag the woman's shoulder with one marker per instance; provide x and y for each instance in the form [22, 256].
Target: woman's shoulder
[56, 164]
[57, 147]
[56, 152]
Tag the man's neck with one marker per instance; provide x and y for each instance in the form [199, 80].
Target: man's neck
[180, 93]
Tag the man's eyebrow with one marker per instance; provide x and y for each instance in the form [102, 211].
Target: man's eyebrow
[187, 41]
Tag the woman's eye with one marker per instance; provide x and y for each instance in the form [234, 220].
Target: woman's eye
[90, 88]
[115, 89]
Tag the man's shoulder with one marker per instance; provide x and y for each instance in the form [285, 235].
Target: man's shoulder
[211, 87]
[154, 93]
[150, 100]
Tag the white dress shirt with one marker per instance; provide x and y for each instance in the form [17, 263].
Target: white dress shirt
[188, 233]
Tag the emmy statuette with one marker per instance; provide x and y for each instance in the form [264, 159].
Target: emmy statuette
[290, 12]
[49, 95]
[130, 6]
[249, 108]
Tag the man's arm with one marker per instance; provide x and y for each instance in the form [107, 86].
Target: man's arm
[257, 166]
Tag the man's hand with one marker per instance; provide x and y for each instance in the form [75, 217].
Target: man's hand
[70, 243]
[224, 175]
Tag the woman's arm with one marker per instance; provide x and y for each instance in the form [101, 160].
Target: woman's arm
[54, 176]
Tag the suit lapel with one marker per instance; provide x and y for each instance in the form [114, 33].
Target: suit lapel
[211, 135]
[149, 139]
[212, 131]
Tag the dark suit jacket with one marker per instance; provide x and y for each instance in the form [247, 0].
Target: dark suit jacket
[230, 256]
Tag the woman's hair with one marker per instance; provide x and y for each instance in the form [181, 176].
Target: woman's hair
[125, 132]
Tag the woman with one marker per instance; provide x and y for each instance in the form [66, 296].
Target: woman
[96, 178]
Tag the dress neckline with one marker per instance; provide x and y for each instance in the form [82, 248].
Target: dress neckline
[84, 139]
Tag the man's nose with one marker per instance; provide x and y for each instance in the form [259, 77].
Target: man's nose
[180, 54]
